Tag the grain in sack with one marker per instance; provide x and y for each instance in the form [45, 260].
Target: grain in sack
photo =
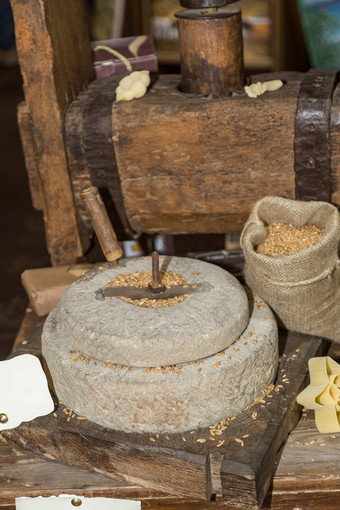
[302, 287]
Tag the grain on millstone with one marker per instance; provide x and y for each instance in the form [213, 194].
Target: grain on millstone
[142, 279]
[286, 239]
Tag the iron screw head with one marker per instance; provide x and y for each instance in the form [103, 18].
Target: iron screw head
[3, 418]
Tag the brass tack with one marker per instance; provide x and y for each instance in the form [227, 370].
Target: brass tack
[3, 418]
[76, 502]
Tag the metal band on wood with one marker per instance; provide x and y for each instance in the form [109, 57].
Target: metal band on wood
[312, 150]
[100, 155]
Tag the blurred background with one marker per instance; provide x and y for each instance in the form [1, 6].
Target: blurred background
[278, 35]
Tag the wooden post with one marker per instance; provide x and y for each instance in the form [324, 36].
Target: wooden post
[56, 63]
[211, 50]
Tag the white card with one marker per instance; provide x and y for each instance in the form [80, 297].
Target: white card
[68, 502]
[24, 393]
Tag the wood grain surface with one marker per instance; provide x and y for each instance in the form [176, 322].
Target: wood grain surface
[306, 477]
[187, 464]
[55, 64]
[31, 163]
[199, 164]
[91, 153]
[211, 51]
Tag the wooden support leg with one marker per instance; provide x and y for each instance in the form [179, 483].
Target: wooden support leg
[56, 63]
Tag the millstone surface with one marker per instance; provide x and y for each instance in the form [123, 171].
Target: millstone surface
[113, 330]
[164, 399]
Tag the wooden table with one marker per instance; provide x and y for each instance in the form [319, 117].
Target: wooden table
[307, 475]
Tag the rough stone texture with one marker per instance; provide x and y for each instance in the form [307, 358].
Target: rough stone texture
[179, 398]
[114, 330]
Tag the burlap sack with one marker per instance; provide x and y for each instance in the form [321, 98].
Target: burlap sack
[302, 289]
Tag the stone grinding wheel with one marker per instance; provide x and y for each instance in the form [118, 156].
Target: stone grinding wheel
[167, 398]
[113, 330]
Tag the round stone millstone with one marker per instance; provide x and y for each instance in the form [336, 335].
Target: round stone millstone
[164, 399]
[116, 331]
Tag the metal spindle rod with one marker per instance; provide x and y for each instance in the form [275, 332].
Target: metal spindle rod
[156, 284]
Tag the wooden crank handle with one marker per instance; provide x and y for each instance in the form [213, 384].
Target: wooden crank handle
[106, 235]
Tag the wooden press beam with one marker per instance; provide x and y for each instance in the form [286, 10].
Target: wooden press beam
[56, 63]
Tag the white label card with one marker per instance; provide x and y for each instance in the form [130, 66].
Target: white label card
[24, 392]
[69, 502]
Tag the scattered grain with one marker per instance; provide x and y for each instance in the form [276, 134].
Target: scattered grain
[216, 364]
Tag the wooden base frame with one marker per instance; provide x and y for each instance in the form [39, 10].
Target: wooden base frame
[235, 465]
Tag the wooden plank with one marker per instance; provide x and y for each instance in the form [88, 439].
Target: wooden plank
[299, 481]
[307, 474]
[55, 60]
[188, 164]
[31, 164]
[29, 322]
[181, 155]
[178, 463]
[198, 164]
[183, 133]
